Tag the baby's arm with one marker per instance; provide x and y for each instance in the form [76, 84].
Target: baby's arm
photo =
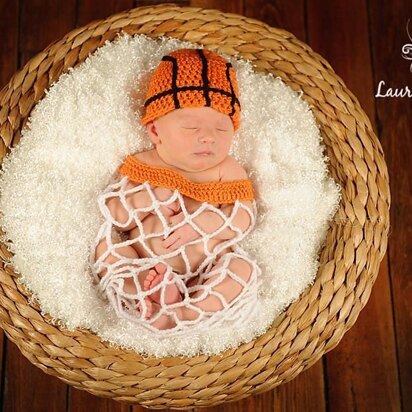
[135, 200]
[209, 221]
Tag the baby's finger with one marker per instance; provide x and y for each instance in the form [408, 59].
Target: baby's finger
[169, 240]
[174, 220]
[175, 244]
[175, 206]
[179, 217]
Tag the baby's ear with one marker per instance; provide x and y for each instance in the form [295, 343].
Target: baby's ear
[152, 132]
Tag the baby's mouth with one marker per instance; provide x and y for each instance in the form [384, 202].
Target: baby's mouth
[204, 153]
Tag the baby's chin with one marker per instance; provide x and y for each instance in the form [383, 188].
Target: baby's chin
[201, 163]
[192, 163]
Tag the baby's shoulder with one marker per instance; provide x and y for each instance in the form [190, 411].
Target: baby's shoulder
[145, 156]
[142, 156]
[231, 169]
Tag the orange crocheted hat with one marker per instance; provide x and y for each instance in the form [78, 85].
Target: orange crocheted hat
[192, 78]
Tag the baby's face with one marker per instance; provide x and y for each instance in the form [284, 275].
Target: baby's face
[182, 135]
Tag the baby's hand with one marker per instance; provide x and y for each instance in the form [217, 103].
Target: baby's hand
[181, 235]
[174, 220]
[162, 194]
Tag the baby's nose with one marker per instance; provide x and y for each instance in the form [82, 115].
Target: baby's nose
[208, 135]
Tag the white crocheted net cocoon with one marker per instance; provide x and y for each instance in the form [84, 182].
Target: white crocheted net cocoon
[209, 274]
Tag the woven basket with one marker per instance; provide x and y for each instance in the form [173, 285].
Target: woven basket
[314, 324]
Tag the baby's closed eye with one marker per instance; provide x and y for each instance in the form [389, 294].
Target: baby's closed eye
[197, 128]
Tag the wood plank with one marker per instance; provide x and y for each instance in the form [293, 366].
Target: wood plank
[88, 11]
[359, 378]
[287, 15]
[91, 10]
[263, 401]
[142, 3]
[9, 12]
[230, 6]
[82, 401]
[26, 386]
[394, 119]
[306, 391]
[42, 22]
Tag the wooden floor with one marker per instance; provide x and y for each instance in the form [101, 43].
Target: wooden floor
[371, 369]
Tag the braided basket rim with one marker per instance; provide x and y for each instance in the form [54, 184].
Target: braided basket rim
[349, 261]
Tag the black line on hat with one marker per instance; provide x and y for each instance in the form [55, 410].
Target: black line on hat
[186, 88]
[204, 76]
[232, 101]
[174, 90]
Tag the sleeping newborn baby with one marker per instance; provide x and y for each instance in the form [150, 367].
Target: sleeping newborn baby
[179, 209]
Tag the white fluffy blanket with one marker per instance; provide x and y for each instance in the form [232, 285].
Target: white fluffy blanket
[80, 133]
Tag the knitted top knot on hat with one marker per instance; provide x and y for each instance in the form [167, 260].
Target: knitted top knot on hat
[192, 78]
